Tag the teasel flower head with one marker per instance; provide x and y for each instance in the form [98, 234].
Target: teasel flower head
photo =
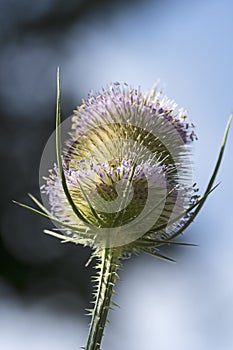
[121, 181]
[123, 175]
[127, 168]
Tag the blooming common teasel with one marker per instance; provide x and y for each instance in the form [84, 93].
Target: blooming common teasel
[121, 182]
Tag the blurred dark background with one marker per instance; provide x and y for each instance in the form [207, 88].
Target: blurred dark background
[43, 283]
[34, 39]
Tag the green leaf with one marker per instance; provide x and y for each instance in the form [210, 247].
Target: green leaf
[150, 242]
[46, 214]
[33, 210]
[59, 156]
[60, 236]
[39, 204]
[158, 255]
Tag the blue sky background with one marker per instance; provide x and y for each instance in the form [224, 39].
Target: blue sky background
[189, 47]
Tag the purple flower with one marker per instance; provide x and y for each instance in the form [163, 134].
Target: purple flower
[123, 183]
[127, 168]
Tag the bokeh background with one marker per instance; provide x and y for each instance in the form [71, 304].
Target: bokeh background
[44, 286]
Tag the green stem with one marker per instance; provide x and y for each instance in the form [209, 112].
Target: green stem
[108, 267]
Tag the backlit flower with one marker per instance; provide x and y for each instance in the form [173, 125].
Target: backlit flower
[122, 183]
[128, 170]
